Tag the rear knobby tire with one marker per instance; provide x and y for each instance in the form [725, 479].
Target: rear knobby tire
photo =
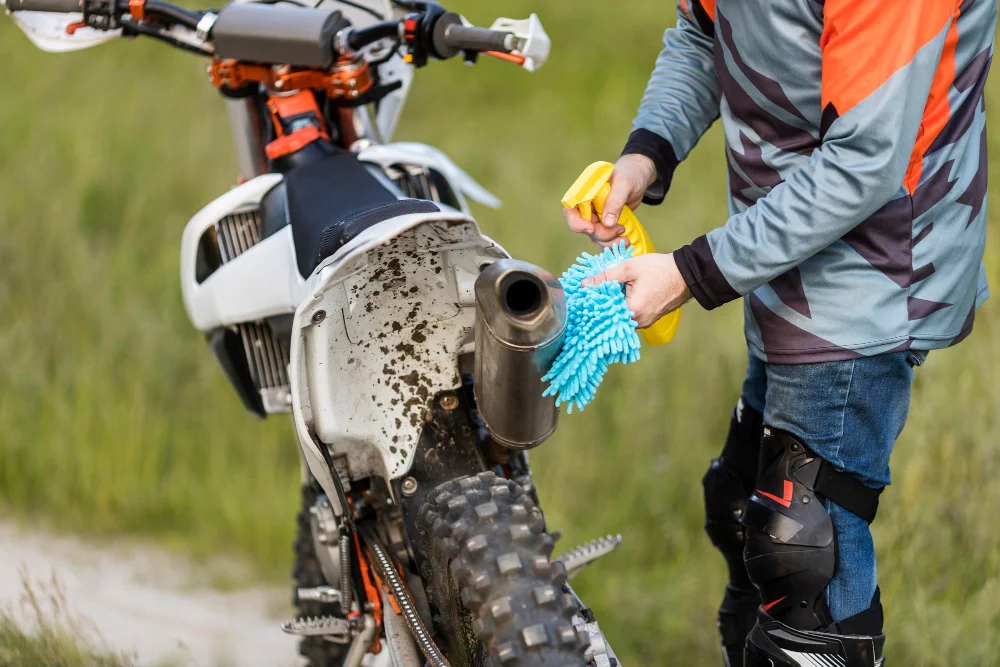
[488, 557]
[308, 574]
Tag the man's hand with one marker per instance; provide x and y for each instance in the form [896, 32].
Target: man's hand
[631, 176]
[653, 286]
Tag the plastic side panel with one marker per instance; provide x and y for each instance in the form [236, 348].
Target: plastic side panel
[381, 336]
[260, 282]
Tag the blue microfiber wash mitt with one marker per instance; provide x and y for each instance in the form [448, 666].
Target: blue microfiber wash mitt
[600, 330]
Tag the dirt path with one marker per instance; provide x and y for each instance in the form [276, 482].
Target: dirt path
[140, 599]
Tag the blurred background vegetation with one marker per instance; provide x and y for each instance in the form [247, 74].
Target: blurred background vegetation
[115, 420]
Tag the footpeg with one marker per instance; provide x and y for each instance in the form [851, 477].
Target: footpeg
[577, 559]
[333, 628]
[324, 594]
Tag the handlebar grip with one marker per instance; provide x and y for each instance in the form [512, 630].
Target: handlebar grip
[56, 6]
[471, 38]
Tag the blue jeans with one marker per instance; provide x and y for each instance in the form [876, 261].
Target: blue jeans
[850, 413]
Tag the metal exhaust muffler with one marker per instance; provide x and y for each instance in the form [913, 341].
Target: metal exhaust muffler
[520, 324]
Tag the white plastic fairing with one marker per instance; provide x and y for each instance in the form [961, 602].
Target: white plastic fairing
[390, 107]
[408, 152]
[379, 337]
[48, 31]
[261, 282]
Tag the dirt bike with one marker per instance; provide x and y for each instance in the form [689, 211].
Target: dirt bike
[345, 282]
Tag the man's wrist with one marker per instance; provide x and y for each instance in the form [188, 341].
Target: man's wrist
[664, 159]
[702, 276]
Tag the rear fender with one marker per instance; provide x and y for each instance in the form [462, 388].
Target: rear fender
[380, 335]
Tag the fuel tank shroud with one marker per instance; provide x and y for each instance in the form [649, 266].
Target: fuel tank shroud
[520, 324]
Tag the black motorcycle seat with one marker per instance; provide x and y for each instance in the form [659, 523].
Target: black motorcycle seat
[332, 200]
[339, 233]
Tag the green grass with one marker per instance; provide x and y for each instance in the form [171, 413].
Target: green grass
[45, 635]
[114, 418]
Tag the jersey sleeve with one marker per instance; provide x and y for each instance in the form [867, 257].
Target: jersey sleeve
[880, 61]
[682, 97]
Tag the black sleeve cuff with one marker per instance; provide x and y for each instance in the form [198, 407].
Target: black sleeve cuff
[702, 275]
[659, 150]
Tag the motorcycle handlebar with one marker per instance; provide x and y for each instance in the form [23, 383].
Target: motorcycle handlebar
[173, 14]
[441, 34]
[471, 38]
[437, 33]
[56, 6]
[362, 37]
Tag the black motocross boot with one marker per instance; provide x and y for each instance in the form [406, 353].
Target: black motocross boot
[774, 644]
[728, 484]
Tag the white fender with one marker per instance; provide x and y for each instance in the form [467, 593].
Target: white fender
[379, 336]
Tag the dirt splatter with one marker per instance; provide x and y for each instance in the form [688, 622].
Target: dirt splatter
[411, 378]
[399, 422]
[405, 348]
[396, 326]
[387, 371]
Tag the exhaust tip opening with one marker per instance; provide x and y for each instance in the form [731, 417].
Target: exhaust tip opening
[522, 295]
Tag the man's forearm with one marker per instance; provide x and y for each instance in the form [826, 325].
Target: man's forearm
[681, 100]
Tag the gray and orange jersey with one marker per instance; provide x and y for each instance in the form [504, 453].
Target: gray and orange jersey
[856, 144]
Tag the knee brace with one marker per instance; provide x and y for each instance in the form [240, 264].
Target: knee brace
[728, 484]
[791, 550]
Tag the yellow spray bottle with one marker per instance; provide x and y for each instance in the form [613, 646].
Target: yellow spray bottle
[588, 194]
